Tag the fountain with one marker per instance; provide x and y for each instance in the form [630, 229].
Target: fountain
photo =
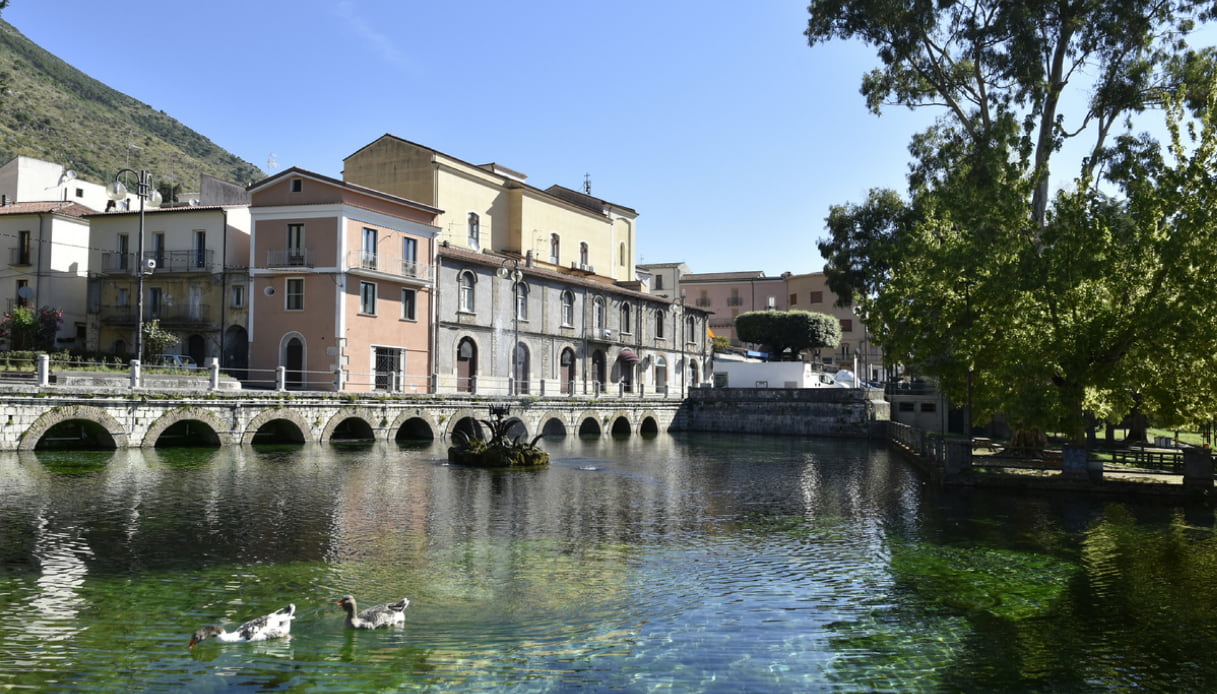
[498, 451]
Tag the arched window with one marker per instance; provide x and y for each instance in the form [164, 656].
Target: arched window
[475, 230]
[598, 316]
[690, 328]
[583, 253]
[555, 245]
[661, 374]
[626, 326]
[466, 365]
[523, 366]
[521, 291]
[621, 253]
[568, 308]
[465, 282]
[661, 317]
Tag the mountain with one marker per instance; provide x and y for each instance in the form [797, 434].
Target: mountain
[52, 111]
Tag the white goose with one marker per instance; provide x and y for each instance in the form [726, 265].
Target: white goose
[275, 625]
[384, 615]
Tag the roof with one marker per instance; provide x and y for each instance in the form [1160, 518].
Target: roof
[67, 209]
[363, 190]
[603, 284]
[727, 276]
[163, 210]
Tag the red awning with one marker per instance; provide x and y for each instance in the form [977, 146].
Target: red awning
[627, 354]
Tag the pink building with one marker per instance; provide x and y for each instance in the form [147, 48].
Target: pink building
[342, 286]
[728, 294]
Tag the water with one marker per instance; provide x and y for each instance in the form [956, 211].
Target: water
[697, 563]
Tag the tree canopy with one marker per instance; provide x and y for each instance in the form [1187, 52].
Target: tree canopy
[1063, 301]
[788, 330]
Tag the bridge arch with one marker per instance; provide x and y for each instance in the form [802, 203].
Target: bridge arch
[218, 435]
[416, 426]
[349, 424]
[553, 426]
[467, 422]
[621, 426]
[105, 430]
[589, 425]
[283, 423]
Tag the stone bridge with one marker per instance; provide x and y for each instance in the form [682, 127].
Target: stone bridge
[31, 421]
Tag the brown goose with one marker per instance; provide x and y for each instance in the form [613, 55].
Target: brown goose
[384, 615]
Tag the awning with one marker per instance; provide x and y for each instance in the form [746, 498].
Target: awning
[627, 354]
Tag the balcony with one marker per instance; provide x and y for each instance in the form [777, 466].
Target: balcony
[360, 262]
[195, 260]
[289, 257]
[735, 301]
[197, 316]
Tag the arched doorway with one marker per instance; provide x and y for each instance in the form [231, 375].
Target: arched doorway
[466, 365]
[693, 377]
[235, 353]
[522, 369]
[661, 375]
[196, 347]
[293, 362]
[566, 373]
[599, 371]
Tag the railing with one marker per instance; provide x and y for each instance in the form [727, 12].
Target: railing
[195, 260]
[735, 301]
[387, 264]
[170, 315]
[289, 257]
[1154, 461]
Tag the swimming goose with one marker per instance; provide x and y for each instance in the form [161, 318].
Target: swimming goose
[382, 615]
[271, 626]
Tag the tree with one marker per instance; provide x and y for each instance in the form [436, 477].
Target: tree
[1055, 303]
[788, 330]
[156, 340]
[26, 328]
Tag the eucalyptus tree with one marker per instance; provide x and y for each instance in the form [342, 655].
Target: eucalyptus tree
[1058, 301]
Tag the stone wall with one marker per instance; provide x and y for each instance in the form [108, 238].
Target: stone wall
[846, 412]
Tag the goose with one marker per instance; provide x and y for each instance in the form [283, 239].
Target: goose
[272, 626]
[382, 615]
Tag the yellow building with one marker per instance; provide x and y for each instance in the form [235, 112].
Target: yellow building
[491, 207]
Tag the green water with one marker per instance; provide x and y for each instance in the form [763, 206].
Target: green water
[697, 563]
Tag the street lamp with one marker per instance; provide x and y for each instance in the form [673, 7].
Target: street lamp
[516, 276]
[684, 362]
[151, 196]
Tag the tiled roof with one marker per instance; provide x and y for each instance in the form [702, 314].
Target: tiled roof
[164, 210]
[67, 209]
[726, 276]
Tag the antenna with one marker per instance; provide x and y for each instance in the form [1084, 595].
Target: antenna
[587, 183]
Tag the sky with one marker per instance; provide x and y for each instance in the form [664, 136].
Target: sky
[714, 121]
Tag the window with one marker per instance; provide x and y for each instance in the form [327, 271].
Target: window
[23, 292]
[817, 297]
[598, 315]
[238, 296]
[23, 248]
[367, 258]
[844, 352]
[621, 254]
[568, 308]
[475, 230]
[794, 299]
[158, 248]
[295, 244]
[124, 297]
[200, 248]
[659, 281]
[409, 304]
[583, 253]
[465, 291]
[409, 257]
[521, 292]
[626, 326]
[690, 330]
[847, 325]
[294, 290]
[80, 192]
[661, 317]
[297, 185]
[154, 302]
[367, 298]
[123, 249]
[555, 245]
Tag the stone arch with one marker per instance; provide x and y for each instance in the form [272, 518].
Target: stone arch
[58, 415]
[621, 425]
[411, 425]
[285, 414]
[648, 426]
[554, 426]
[362, 428]
[589, 426]
[221, 435]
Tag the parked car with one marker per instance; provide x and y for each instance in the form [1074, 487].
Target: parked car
[175, 361]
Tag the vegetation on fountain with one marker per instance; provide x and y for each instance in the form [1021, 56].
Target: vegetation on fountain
[499, 451]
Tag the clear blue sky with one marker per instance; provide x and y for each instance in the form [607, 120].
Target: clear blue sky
[715, 121]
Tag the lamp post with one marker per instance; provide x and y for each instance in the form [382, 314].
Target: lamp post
[152, 198]
[684, 365]
[967, 302]
[516, 276]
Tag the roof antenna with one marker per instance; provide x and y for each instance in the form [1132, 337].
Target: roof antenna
[587, 183]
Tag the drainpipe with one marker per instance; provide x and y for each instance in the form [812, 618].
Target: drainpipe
[433, 367]
[38, 265]
[223, 280]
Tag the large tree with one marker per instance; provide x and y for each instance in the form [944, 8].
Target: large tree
[793, 331]
[1057, 302]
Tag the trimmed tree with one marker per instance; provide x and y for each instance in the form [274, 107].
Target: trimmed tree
[780, 331]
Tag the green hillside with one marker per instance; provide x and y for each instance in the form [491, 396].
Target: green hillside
[52, 111]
